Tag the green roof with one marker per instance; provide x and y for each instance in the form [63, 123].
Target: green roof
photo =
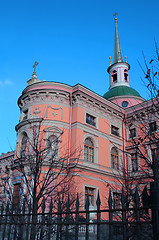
[121, 91]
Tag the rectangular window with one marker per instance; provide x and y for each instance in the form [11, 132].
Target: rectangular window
[90, 119]
[134, 162]
[114, 130]
[90, 192]
[116, 200]
[132, 133]
[152, 127]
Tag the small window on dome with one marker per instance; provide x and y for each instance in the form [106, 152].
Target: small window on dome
[124, 104]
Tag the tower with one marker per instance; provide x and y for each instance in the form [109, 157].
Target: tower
[120, 91]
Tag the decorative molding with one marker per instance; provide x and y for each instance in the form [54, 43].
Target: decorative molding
[53, 129]
[37, 111]
[54, 113]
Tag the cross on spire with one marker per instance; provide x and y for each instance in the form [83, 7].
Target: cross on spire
[115, 15]
[34, 66]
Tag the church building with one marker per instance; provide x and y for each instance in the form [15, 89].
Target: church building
[98, 132]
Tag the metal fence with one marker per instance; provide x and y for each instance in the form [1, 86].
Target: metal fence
[141, 221]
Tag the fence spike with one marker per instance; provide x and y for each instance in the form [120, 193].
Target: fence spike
[77, 203]
[145, 198]
[51, 206]
[43, 205]
[87, 203]
[123, 200]
[7, 208]
[68, 203]
[137, 198]
[23, 207]
[59, 205]
[29, 206]
[2, 208]
[98, 202]
[110, 201]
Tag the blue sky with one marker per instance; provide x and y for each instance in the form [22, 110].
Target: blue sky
[72, 41]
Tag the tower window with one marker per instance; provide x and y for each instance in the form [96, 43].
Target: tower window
[114, 76]
[125, 75]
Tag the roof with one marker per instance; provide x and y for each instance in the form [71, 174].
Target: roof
[121, 91]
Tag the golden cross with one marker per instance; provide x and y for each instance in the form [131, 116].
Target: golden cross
[34, 66]
[115, 14]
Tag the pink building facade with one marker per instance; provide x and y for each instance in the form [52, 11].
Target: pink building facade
[96, 130]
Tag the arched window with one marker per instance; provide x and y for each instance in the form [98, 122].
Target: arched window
[52, 146]
[126, 75]
[24, 145]
[88, 150]
[114, 76]
[114, 158]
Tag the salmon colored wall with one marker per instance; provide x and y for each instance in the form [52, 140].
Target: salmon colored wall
[104, 152]
[78, 115]
[104, 125]
[131, 101]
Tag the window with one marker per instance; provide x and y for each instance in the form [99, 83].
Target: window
[152, 127]
[114, 130]
[114, 158]
[114, 76]
[52, 146]
[90, 193]
[3, 189]
[124, 104]
[134, 162]
[25, 114]
[125, 75]
[90, 119]
[16, 193]
[116, 200]
[89, 150]
[24, 145]
[132, 133]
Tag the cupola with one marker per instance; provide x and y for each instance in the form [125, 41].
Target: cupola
[120, 91]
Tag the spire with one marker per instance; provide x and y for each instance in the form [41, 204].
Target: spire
[117, 49]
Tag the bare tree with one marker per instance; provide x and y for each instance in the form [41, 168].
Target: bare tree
[145, 122]
[43, 173]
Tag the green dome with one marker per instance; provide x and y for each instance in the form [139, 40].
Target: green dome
[121, 91]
